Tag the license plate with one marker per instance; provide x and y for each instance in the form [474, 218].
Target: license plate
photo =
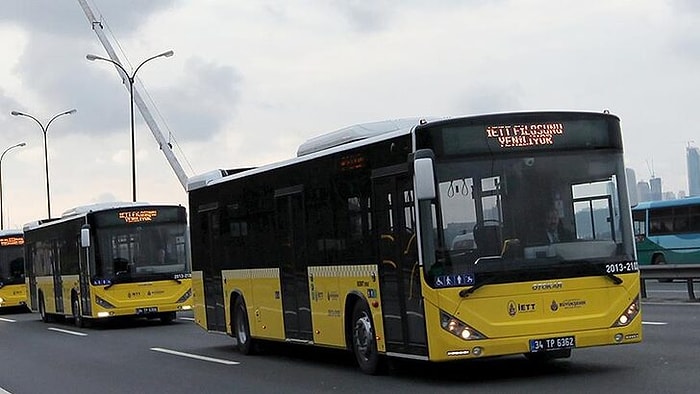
[547, 344]
[144, 311]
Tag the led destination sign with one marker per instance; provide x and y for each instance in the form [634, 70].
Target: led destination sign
[525, 134]
[138, 216]
[11, 241]
[520, 134]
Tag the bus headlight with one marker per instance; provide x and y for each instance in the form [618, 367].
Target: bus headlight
[103, 303]
[626, 317]
[458, 328]
[185, 296]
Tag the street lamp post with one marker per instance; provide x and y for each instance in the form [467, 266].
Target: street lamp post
[130, 78]
[44, 129]
[2, 221]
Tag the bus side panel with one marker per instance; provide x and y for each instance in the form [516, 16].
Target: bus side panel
[44, 285]
[13, 295]
[676, 249]
[70, 283]
[260, 289]
[326, 308]
[199, 302]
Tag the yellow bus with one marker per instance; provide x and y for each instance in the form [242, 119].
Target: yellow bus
[107, 260]
[425, 239]
[13, 291]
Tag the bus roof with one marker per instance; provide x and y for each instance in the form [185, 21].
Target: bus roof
[83, 210]
[354, 136]
[10, 232]
[356, 133]
[679, 202]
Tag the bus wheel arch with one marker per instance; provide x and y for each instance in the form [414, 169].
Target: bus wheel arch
[363, 339]
[240, 326]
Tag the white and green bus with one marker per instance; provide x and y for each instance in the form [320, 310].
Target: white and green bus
[667, 232]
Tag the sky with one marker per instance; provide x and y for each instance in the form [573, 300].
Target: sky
[251, 80]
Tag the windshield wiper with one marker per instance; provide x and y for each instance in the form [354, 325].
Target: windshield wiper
[614, 278]
[464, 293]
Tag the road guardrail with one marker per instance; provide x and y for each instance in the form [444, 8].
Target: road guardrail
[686, 272]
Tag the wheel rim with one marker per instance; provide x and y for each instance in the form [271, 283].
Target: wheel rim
[363, 336]
[76, 310]
[241, 328]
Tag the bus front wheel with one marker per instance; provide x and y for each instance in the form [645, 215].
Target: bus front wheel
[241, 328]
[364, 341]
[77, 314]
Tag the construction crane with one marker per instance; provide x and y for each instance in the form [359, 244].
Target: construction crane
[165, 146]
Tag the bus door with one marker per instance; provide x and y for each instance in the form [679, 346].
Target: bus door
[211, 273]
[84, 277]
[289, 206]
[57, 278]
[30, 275]
[399, 272]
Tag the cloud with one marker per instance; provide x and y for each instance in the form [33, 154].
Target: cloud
[203, 101]
[49, 16]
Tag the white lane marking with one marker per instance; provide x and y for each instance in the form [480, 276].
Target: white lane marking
[654, 323]
[9, 321]
[3, 391]
[195, 356]
[186, 318]
[76, 333]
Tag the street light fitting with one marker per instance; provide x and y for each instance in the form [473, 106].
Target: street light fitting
[126, 76]
[44, 130]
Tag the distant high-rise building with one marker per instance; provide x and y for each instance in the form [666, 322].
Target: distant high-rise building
[643, 191]
[693, 160]
[655, 189]
[632, 186]
[668, 195]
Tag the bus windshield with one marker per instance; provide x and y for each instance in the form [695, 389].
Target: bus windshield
[544, 215]
[144, 252]
[11, 265]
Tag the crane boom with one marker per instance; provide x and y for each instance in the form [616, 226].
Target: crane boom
[138, 100]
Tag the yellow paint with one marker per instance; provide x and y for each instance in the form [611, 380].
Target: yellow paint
[261, 291]
[13, 295]
[198, 301]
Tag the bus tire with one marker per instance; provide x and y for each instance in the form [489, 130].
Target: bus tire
[364, 341]
[42, 309]
[661, 260]
[77, 313]
[544, 357]
[241, 328]
[167, 317]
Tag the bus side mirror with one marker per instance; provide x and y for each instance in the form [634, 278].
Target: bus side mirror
[424, 178]
[85, 236]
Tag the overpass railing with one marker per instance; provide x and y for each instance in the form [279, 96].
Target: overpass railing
[686, 272]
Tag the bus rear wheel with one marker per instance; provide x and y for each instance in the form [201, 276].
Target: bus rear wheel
[660, 260]
[42, 310]
[241, 328]
[364, 341]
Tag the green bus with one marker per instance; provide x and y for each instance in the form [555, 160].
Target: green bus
[667, 232]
